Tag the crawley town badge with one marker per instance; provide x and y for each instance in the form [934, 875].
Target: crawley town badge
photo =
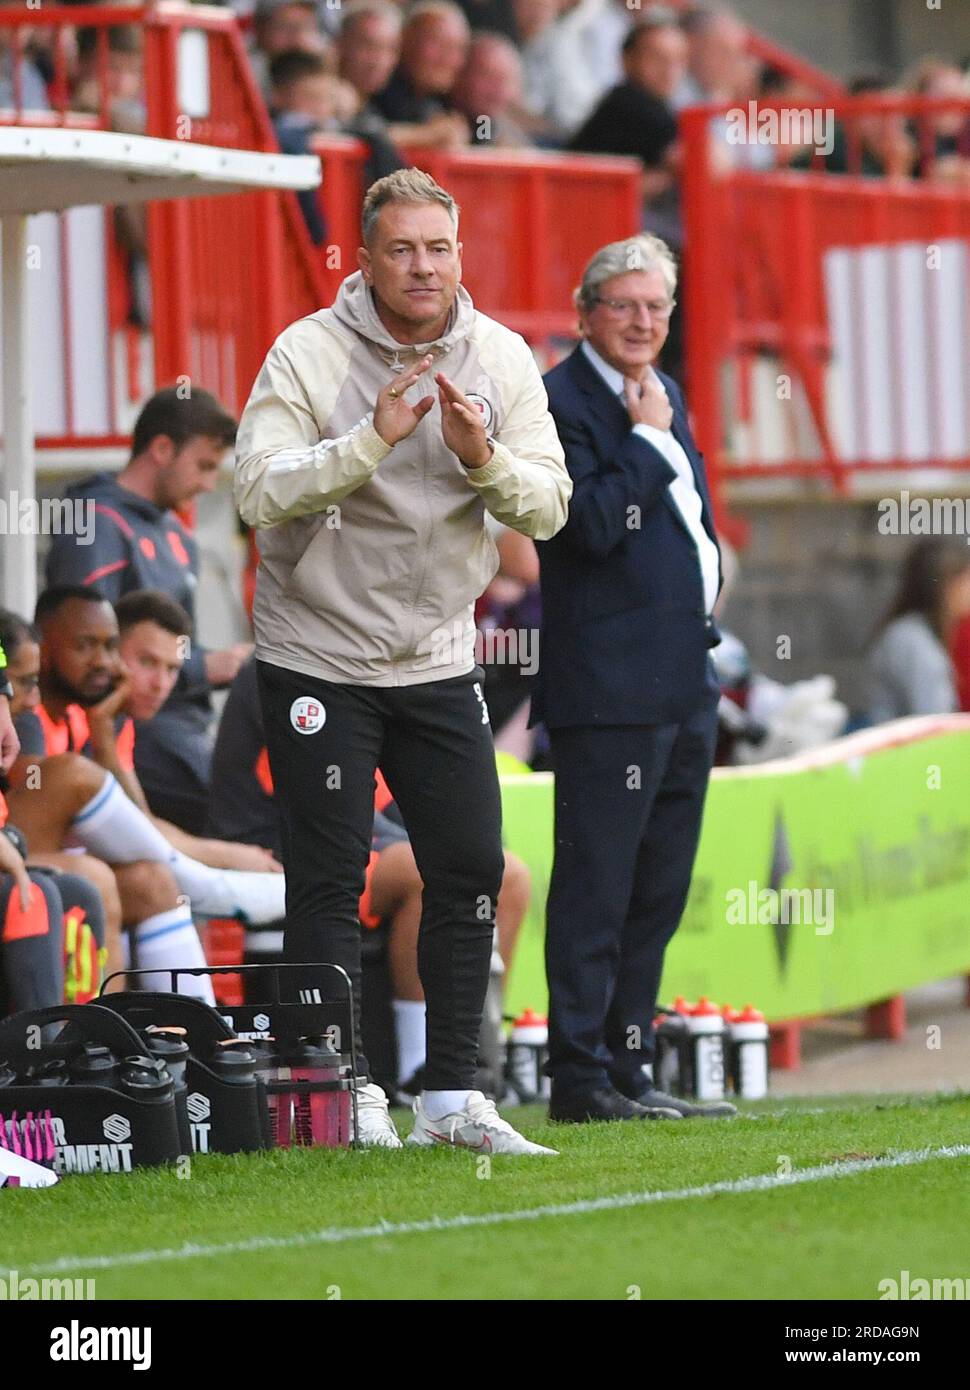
[307, 715]
[488, 414]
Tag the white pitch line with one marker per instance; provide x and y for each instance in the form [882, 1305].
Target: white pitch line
[336, 1235]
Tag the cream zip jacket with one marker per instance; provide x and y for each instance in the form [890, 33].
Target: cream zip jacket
[372, 557]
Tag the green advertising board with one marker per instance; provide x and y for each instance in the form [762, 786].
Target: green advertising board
[867, 865]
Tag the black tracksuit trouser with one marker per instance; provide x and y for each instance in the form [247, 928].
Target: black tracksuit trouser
[433, 744]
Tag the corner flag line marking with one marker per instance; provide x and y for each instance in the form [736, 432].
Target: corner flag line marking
[336, 1235]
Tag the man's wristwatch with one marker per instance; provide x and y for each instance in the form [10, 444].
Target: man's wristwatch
[6, 689]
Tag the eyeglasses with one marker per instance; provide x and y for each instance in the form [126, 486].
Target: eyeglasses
[626, 308]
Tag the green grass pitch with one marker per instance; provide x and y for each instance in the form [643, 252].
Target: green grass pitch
[294, 1224]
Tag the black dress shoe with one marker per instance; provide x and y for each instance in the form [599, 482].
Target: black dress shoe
[579, 1107]
[653, 1099]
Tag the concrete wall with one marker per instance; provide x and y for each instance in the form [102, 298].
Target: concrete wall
[845, 36]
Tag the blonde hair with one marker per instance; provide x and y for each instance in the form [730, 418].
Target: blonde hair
[403, 186]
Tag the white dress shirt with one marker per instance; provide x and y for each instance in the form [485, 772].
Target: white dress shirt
[683, 488]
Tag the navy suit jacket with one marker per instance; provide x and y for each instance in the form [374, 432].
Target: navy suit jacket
[625, 635]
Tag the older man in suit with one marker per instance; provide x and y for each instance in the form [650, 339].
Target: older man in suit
[625, 686]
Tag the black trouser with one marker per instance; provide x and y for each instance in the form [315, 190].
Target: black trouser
[629, 801]
[434, 746]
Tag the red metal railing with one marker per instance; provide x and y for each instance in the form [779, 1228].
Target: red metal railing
[227, 273]
[821, 281]
[525, 240]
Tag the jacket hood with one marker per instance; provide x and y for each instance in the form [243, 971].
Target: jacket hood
[104, 487]
[354, 308]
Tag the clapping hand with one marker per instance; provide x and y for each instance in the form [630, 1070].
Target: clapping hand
[462, 425]
[394, 419]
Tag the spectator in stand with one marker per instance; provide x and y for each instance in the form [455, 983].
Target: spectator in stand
[369, 48]
[305, 93]
[125, 103]
[32, 92]
[720, 69]
[125, 76]
[489, 91]
[281, 26]
[367, 53]
[910, 668]
[717, 43]
[584, 58]
[416, 102]
[943, 138]
[637, 118]
[491, 16]
[535, 22]
[873, 146]
[244, 808]
[141, 543]
[307, 99]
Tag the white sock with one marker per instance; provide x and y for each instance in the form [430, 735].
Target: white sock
[437, 1104]
[112, 827]
[409, 1015]
[167, 940]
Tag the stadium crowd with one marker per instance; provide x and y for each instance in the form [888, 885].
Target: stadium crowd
[593, 76]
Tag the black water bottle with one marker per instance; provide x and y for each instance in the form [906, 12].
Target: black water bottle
[146, 1079]
[233, 1062]
[52, 1073]
[94, 1065]
[168, 1046]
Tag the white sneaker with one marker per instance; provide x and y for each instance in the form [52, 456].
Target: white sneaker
[375, 1126]
[478, 1127]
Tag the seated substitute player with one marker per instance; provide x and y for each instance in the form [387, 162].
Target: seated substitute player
[62, 800]
[51, 925]
[242, 806]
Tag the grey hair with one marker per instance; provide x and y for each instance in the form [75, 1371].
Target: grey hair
[364, 9]
[642, 252]
[443, 8]
[403, 186]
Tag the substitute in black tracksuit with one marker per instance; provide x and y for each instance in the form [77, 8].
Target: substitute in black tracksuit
[137, 541]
